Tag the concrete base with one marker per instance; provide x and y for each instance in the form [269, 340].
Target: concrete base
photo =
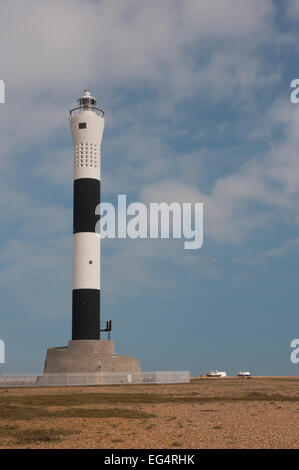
[88, 356]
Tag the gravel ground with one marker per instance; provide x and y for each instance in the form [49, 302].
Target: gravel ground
[207, 413]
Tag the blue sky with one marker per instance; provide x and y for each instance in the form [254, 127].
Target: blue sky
[196, 96]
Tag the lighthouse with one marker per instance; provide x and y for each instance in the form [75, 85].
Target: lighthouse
[86, 352]
[87, 125]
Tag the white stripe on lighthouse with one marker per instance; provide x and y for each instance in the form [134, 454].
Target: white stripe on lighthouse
[87, 144]
[86, 261]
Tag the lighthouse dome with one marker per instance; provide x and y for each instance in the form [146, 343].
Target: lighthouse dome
[87, 101]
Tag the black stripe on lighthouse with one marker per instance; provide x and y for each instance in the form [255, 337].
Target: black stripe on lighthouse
[87, 193]
[86, 314]
[85, 302]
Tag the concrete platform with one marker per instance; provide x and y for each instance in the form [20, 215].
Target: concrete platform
[88, 356]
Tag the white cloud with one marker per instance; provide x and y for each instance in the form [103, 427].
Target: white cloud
[271, 181]
[175, 48]
[37, 275]
[282, 250]
[144, 266]
[30, 216]
[292, 8]
[120, 39]
[56, 167]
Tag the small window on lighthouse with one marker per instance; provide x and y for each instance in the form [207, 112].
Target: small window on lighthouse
[82, 125]
[90, 261]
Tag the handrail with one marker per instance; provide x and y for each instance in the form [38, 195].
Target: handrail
[92, 108]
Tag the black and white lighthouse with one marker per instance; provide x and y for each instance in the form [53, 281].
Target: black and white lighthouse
[87, 125]
[86, 352]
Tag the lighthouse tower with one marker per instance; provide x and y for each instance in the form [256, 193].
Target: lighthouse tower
[87, 125]
[86, 352]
